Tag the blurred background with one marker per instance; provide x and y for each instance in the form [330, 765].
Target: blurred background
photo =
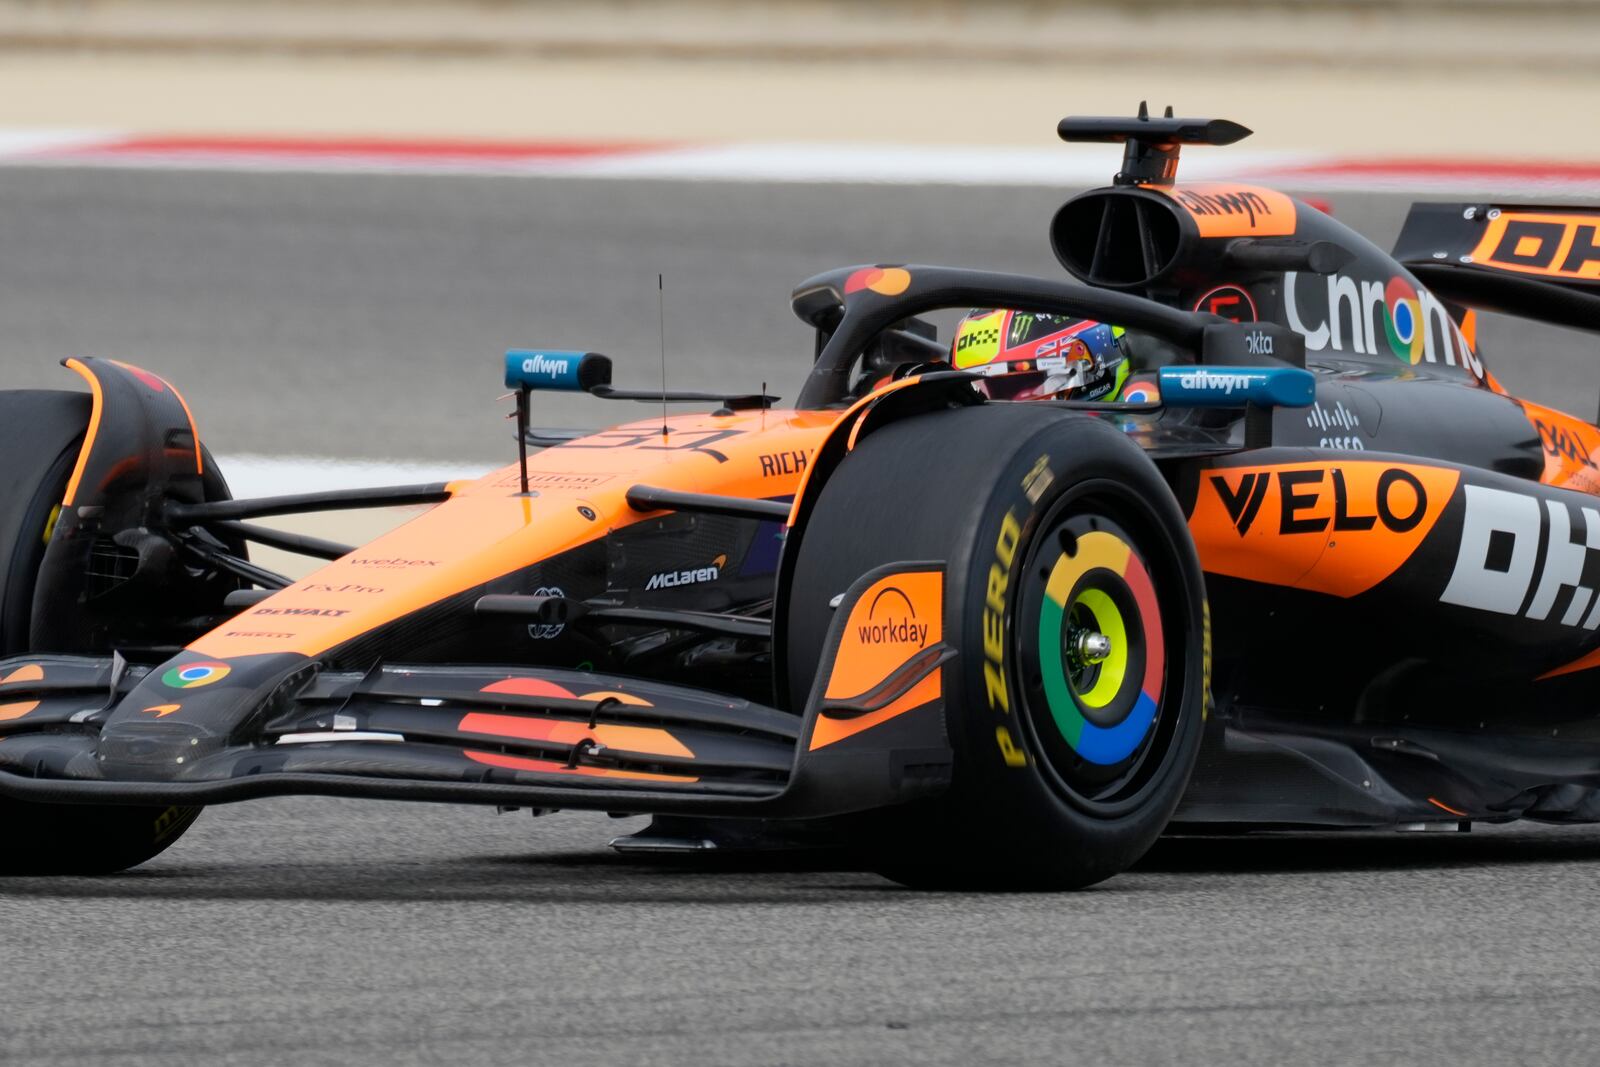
[324, 220]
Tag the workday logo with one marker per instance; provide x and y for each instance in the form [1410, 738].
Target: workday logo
[893, 628]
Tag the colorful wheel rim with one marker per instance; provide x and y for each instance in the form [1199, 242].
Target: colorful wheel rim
[1104, 585]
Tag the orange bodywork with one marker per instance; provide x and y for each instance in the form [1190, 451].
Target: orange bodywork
[1546, 244]
[487, 529]
[1338, 528]
[1229, 210]
[640, 740]
[16, 709]
[896, 618]
[1570, 447]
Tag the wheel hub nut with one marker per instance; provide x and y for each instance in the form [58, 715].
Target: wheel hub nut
[1093, 647]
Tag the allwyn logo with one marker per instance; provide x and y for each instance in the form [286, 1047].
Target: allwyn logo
[1235, 202]
[542, 364]
[1216, 381]
[892, 631]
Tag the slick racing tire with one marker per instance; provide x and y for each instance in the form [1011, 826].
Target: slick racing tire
[41, 433]
[1075, 601]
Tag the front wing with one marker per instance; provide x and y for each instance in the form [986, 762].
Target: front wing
[872, 734]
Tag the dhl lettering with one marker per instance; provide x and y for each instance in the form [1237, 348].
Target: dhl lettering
[1558, 245]
[1516, 558]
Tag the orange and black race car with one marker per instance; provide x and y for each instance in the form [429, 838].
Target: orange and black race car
[1308, 565]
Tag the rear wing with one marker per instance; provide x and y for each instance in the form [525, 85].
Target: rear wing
[1535, 262]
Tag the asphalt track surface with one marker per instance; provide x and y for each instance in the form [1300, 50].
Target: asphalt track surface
[363, 316]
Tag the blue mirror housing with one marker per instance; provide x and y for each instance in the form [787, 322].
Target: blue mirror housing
[1234, 387]
[542, 368]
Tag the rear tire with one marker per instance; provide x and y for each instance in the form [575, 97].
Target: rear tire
[41, 433]
[1054, 528]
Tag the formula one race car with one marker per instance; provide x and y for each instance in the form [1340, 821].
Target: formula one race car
[1308, 565]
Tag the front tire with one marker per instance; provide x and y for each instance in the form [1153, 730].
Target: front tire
[41, 433]
[1076, 601]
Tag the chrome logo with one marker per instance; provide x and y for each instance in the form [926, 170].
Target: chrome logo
[1403, 323]
[1141, 393]
[195, 675]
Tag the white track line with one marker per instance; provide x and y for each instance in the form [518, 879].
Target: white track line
[1051, 165]
[255, 475]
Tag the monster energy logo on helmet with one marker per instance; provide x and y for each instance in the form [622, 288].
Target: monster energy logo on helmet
[1020, 324]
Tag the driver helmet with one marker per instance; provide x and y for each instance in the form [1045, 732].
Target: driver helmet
[1028, 356]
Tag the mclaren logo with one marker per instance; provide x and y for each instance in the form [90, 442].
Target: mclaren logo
[695, 576]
